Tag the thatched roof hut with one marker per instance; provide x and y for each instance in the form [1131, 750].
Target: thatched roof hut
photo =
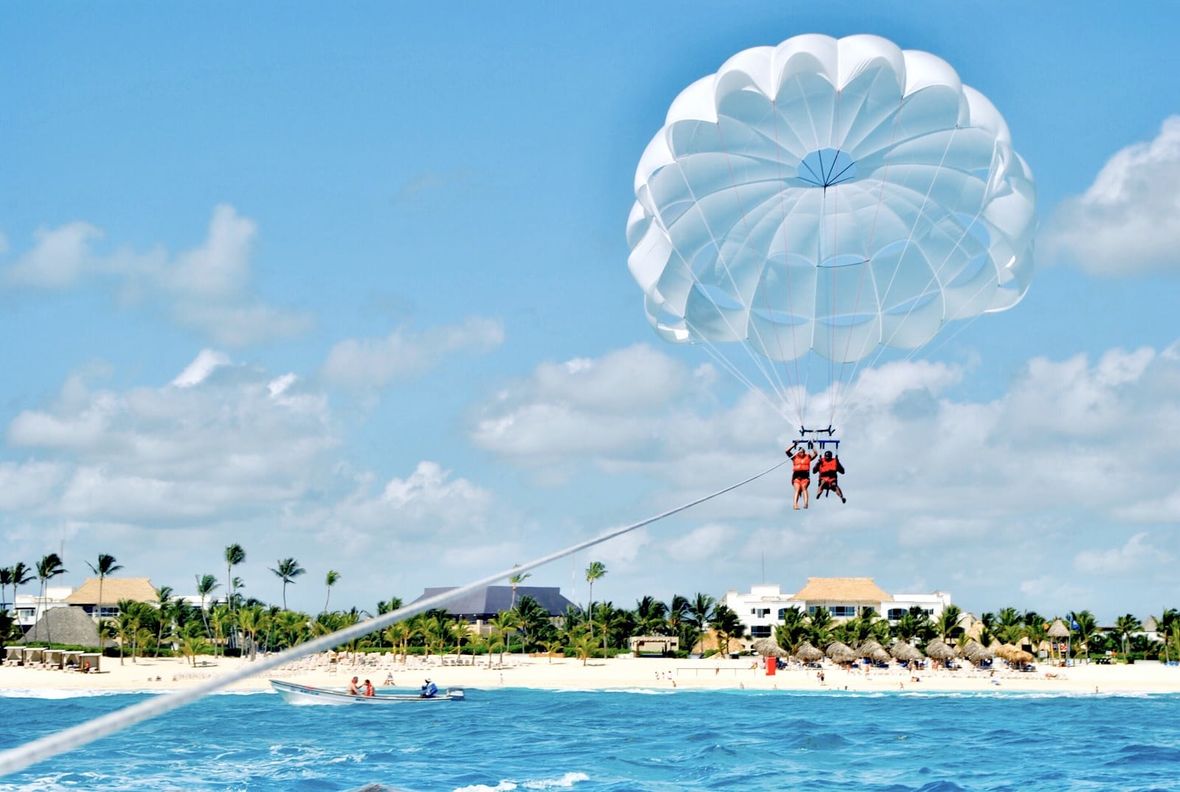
[869, 648]
[1058, 629]
[69, 625]
[976, 652]
[938, 650]
[768, 647]
[808, 653]
[840, 652]
[904, 652]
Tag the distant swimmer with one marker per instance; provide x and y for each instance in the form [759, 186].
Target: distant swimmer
[801, 477]
[828, 468]
[429, 690]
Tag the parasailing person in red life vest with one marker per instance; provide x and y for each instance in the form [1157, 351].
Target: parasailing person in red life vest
[801, 477]
[827, 468]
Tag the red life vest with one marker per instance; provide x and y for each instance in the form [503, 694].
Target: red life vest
[801, 461]
[828, 466]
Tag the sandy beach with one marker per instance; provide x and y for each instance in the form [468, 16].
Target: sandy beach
[557, 673]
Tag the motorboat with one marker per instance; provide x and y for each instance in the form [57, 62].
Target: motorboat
[294, 693]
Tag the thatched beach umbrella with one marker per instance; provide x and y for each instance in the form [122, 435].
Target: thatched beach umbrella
[808, 653]
[879, 655]
[840, 652]
[976, 652]
[937, 650]
[867, 648]
[905, 653]
[768, 647]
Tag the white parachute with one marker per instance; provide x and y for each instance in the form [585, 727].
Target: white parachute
[828, 199]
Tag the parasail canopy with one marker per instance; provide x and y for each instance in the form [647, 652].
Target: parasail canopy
[828, 198]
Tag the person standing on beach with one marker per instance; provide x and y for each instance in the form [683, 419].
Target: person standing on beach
[801, 475]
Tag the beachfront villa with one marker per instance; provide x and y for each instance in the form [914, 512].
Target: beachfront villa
[481, 606]
[113, 591]
[764, 607]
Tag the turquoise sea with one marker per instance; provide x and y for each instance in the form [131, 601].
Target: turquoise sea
[624, 740]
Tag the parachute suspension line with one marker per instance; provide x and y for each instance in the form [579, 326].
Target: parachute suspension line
[785, 215]
[696, 280]
[15, 759]
[819, 244]
[844, 385]
[737, 374]
[770, 376]
[782, 388]
[883, 343]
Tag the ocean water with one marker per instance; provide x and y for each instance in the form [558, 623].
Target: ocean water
[626, 740]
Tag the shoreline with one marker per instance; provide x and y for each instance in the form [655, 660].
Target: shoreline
[150, 675]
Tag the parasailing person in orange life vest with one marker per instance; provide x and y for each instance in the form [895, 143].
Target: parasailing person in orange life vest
[801, 477]
[827, 468]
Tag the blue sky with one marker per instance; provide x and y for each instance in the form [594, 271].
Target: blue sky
[376, 236]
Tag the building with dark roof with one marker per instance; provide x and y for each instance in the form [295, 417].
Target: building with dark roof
[480, 606]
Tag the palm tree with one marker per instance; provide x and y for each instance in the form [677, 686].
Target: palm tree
[505, 623]
[698, 617]
[947, 623]
[593, 572]
[250, 620]
[819, 628]
[205, 586]
[48, 567]
[516, 580]
[234, 555]
[164, 606]
[288, 569]
[651, 616]
[727, 625]
[5, 582]
[106, 565]
[1166, 624]
[1087, 628]
[330, 580]
[21, 574]
[1124, 626]
[793, 631]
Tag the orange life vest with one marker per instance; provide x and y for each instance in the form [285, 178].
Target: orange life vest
[801, 461]
[828, 466]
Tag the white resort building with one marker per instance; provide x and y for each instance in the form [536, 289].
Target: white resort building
[763, 608]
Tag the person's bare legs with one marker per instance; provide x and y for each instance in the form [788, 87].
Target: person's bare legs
[798, 489]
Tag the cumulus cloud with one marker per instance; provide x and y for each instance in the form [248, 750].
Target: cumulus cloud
[205, 288]
[614, 406]
[1133, 554]
[219, 440]
[1128, 221]
[374, 363]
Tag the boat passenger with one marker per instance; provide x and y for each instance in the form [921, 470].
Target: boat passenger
[352, 688]
[429, 690]
[368, 688]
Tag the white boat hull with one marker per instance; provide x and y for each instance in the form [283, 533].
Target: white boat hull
[294, 693]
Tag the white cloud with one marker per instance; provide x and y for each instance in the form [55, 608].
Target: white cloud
[375, 363]
[619, 405]
[219, 441]
[1134, 554]
[205, 288]
[58, 259]
[1128, 221]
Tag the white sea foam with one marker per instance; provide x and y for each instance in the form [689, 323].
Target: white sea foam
[565, 781]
